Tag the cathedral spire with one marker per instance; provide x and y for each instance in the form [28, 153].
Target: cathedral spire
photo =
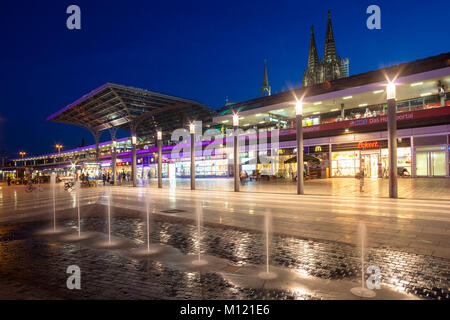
[265, 87]
[330, 53]
[313, 58]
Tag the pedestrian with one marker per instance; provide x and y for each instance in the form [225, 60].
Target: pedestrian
[104, 179]
[108, 178]
[9, 180]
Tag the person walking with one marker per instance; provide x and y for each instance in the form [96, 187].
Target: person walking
[104, 179]
[9, 180]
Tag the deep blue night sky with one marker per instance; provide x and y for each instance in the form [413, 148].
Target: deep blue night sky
[202, 50]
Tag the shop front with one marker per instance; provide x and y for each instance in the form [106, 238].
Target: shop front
[92, 170]
[431, 161]
[346, 158]
[205, 167]
[322, 169]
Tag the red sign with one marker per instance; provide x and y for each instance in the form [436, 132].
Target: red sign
[368, 145]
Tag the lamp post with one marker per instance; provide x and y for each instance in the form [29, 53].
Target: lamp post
[133, 159]
[236, 151]
[59, 147]
[392, 139]
[22, 154]
[114, 159]
[299, 120]
[192, 132]
[159, 143]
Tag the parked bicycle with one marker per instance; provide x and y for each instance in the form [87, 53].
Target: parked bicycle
[88, 184]
[30, 187]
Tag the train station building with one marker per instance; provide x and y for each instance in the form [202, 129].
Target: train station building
[344, 125]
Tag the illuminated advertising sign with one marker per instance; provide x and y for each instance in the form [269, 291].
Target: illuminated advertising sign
[368, 145]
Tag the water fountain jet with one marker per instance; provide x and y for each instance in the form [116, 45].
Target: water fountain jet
[267, 274]
[199, 261]
[53, 230]
[78, 236]
[362, 291]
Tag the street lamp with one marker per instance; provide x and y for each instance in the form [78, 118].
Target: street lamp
[192, 132]
[133, 158]
[59, 147]
[392, 139]
[236, 151]
[299, 120]
[159, 144]
[22, 154]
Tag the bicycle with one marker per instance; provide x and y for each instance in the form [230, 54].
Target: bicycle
[31, 187]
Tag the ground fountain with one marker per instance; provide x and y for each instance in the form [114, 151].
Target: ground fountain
[79, 236]
[267, 274]
[150, 249]
[53, 230]
[362, 291]
[109, 242]
[199, 212]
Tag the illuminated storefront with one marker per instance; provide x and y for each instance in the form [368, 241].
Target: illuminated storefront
[92, 170]
[205, 167]
[431, 161]
[374, 154]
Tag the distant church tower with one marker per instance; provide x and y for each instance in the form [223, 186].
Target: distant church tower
[332, 66]
[265, 87]
[312, 74]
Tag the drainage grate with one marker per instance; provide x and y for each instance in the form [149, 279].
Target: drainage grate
[173, 211]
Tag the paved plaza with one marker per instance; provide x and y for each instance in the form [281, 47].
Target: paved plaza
[314, 240]
[414, 188]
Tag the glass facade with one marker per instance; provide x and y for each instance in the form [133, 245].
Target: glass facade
[431, 161]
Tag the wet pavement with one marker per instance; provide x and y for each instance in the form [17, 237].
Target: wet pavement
[313, 245]
[35, 266]
[410, 188]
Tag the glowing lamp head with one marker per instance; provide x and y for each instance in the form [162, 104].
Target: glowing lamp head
[133, 139]
[235, 120]
[159, 135]
[192, 128]
[299, 108]
[390, 90]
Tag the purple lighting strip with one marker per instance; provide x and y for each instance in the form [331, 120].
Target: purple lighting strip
[78, 101]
